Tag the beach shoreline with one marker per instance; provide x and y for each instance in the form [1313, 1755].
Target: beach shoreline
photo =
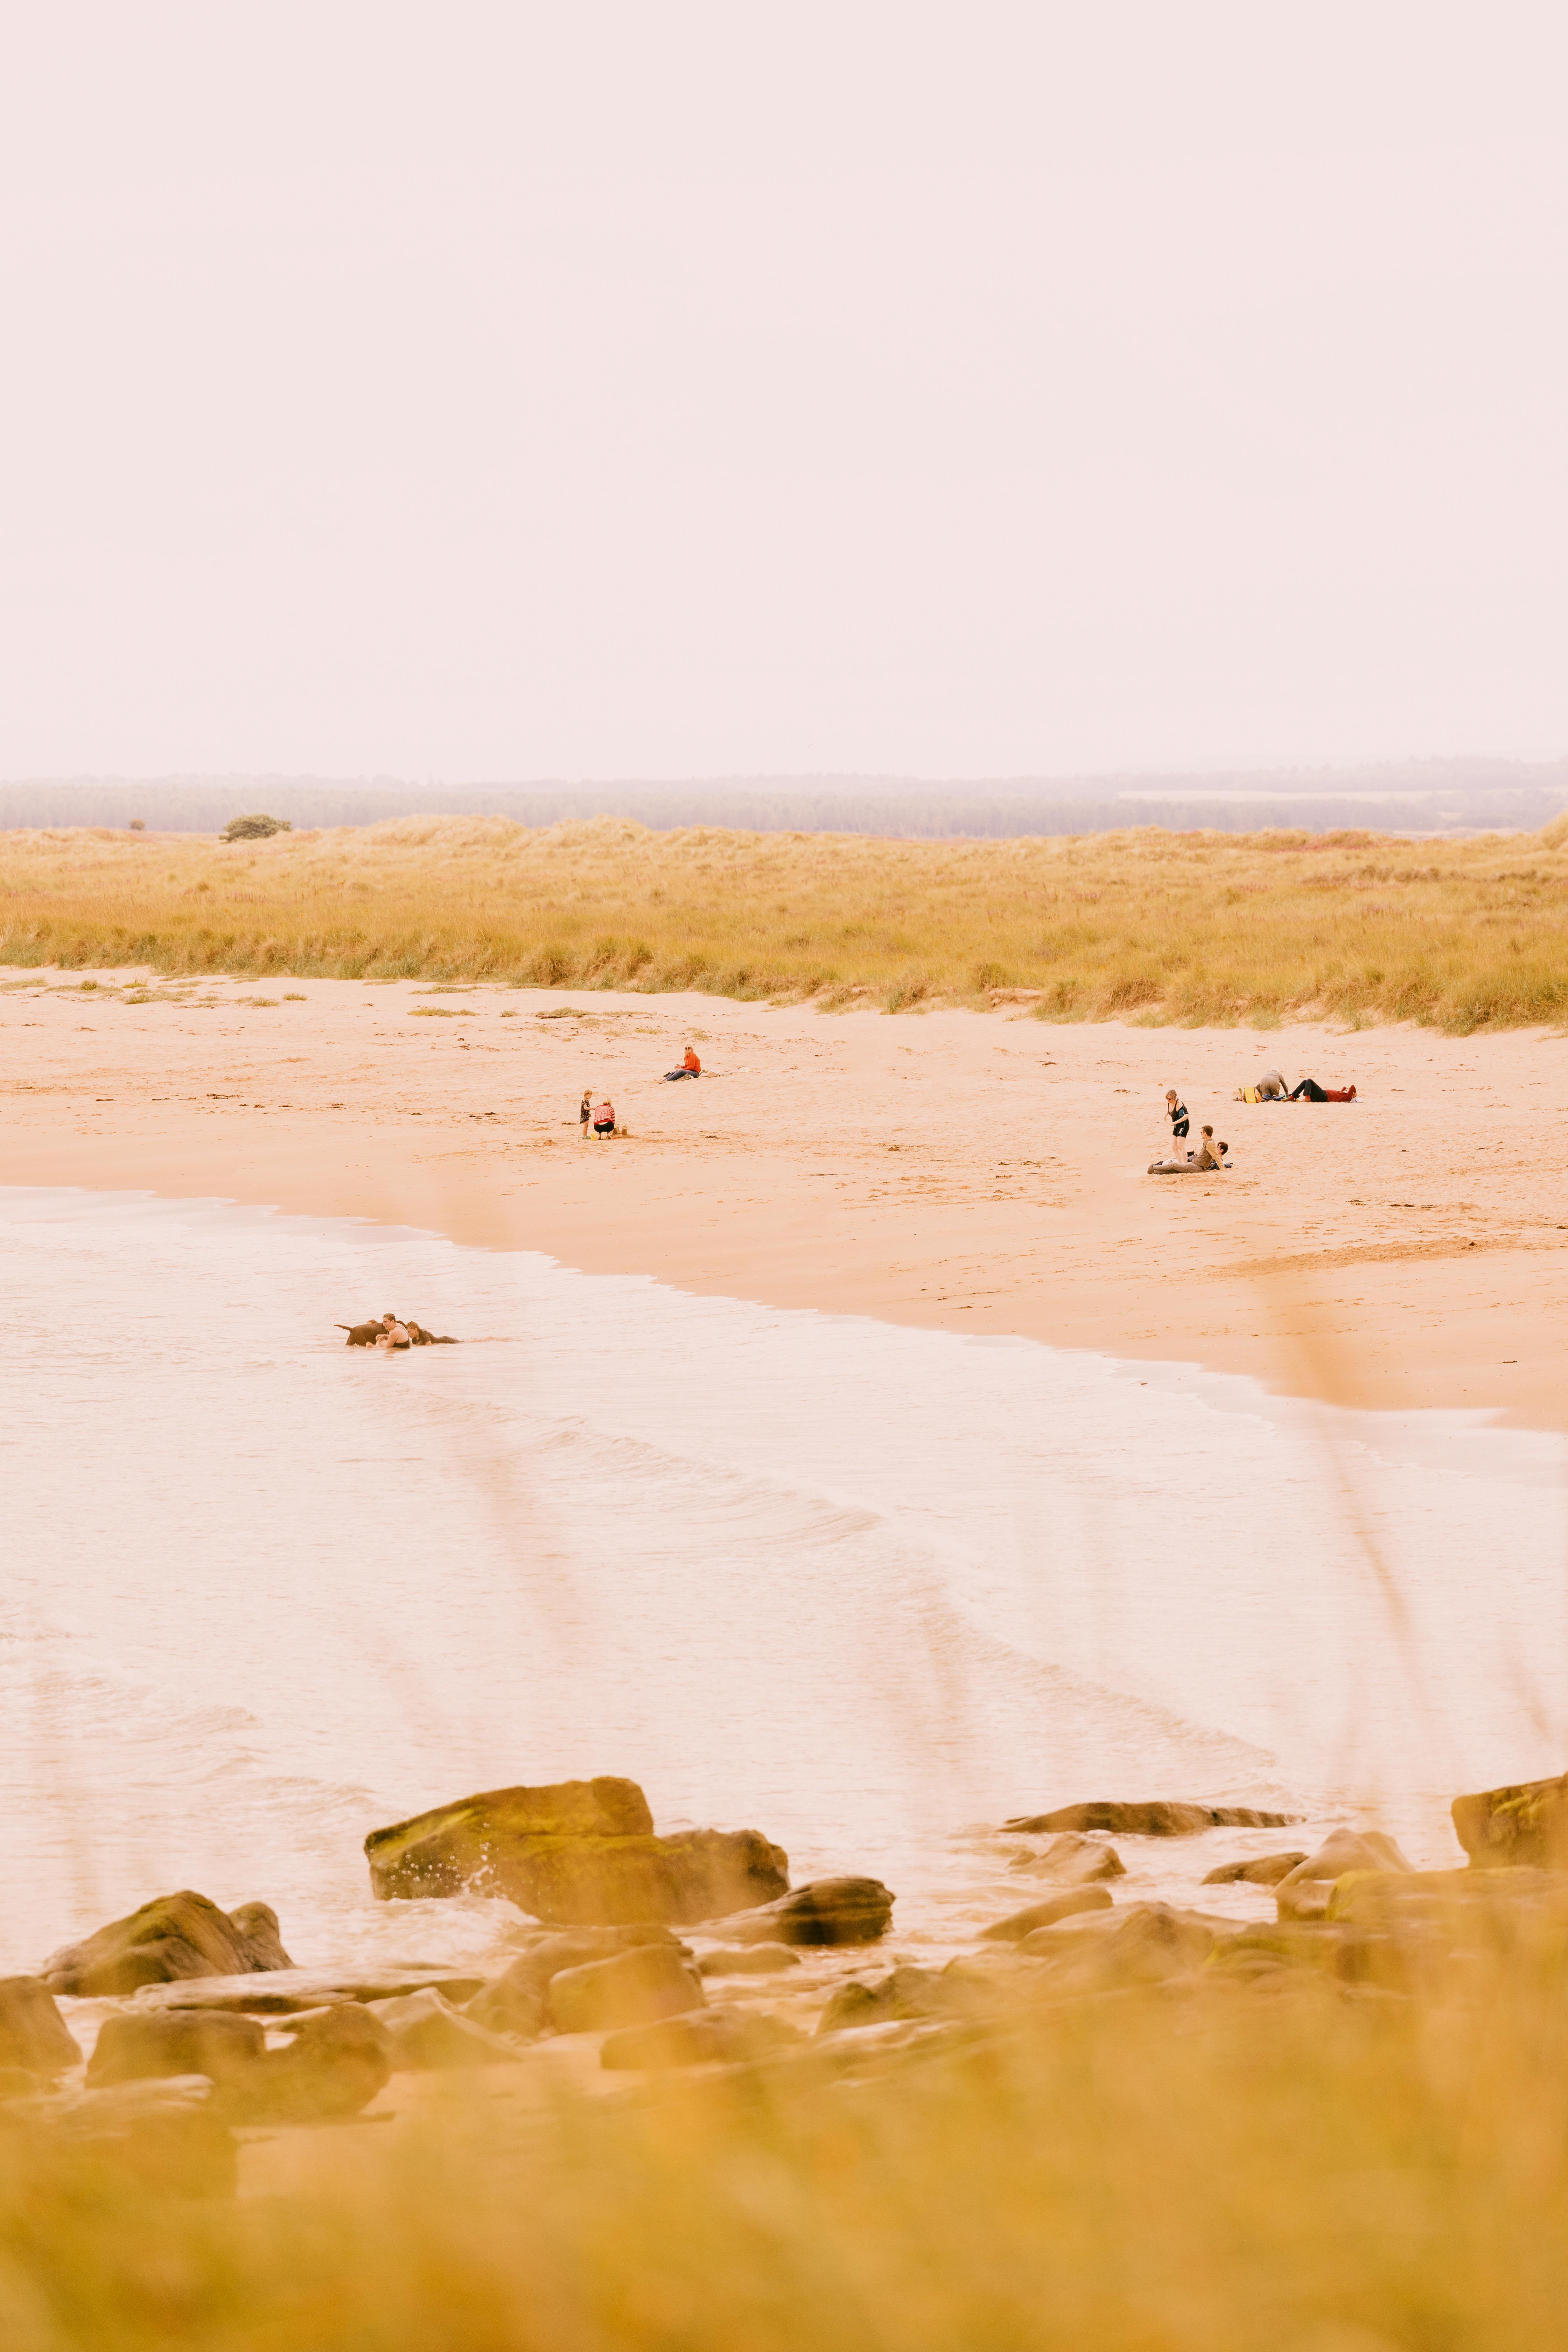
[951, 1170]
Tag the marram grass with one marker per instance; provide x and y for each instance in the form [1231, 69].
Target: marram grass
[1194, 927]
[1291, 2169]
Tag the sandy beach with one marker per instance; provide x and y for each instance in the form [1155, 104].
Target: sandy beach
[950, 1169]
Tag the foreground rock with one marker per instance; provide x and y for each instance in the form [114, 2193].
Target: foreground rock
[1526, 1824]
[747, 1961]
[1263, 1870]
[34, 2036]
[710, 2037]
[582, 1852]
[175, 1936]
[1157, 1818]
[134, 2047]
[337, 2060]
[827, 1911]
[1472, 1907]
[1303, 1893]
[279, 1993]
[903, 1993]
[425, 2030]
[1147, 1943]
[1073, 1860]
[515, 2003]
[171, 2136]
[1019, 1924]
[635, 1988]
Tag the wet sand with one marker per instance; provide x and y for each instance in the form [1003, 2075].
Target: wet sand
[971, 1172]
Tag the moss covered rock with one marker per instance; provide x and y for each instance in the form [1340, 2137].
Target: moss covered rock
[172, 1937]
[580, 1853]
[1502, 1828]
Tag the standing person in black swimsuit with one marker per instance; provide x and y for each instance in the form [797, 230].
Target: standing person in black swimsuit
[584, 1114]
[1180, 1125]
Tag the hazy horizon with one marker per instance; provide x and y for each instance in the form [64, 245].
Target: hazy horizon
[1011, 393]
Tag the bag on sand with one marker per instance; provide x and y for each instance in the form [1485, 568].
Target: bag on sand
[1249, 1094]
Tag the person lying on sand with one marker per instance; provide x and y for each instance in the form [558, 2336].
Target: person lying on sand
[1313, 1092]
[1180, 1125]
[689, 1069]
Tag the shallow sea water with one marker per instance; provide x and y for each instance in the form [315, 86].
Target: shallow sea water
[869, 1589]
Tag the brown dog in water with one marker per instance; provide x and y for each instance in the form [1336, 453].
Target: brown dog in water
[367, 1335]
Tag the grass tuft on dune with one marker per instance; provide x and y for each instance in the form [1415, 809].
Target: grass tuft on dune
[1302, 2166]
[1210, 928]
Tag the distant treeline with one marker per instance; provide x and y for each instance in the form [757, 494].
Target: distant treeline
[1427, 796]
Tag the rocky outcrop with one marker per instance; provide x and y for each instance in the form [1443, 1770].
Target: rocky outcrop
[133, 2047]
[515, 2003]
[827, 1911]
[1073, 1860]
[1524, 1824]
[635, 1988]
[171, 2136]
[903, 1993]
[425, 2030]
[284, 1992]
[1303, 1893]
[1159, 1817]
[747, 1961]
[175, 1936]
[1263, 1870]
[579, 1853]
[1019, 1924]
[34, 2036]
[337, 2060]
[1474, 1906]
[514, 2010]
[1147, 1943]
[708, 2037]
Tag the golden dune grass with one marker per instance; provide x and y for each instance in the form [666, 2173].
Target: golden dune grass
[1293, 2169]
[1198, 928]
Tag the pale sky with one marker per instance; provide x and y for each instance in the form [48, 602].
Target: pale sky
[652, 388]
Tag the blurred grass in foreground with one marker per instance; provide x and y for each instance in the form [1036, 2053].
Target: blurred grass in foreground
[1297, 2170]
[1195, 927]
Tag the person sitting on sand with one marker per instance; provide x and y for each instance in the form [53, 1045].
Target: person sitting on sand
[689, 1069]
[1210, 1154]
[1180, 1125]
[604, 1119]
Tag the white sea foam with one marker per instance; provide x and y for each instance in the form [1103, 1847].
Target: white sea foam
[869, 1589]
